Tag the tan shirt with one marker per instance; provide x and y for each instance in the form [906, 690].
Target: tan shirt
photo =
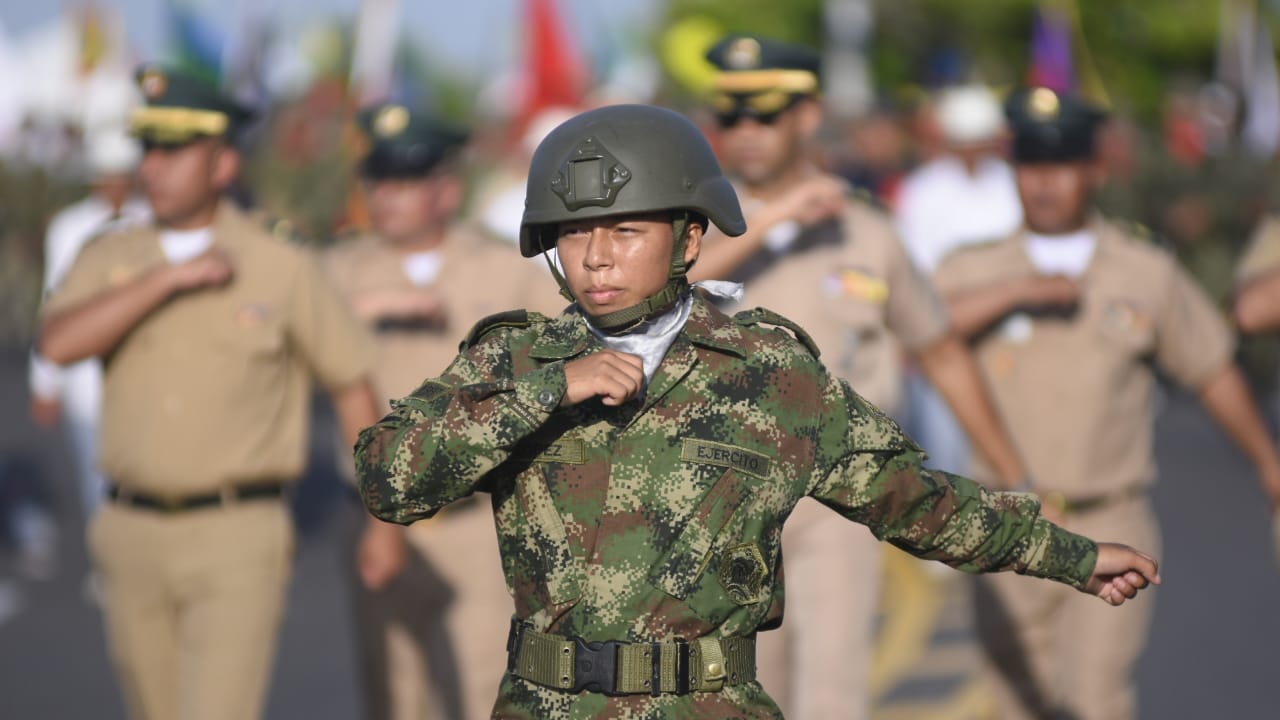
[1262, 256]
[851, 285]
[478, 277]
[213, 387]
[1076, 392]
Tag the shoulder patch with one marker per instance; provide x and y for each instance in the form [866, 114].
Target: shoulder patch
[764, 316]
[510, 318]
[866, 197]
[283, 230]
[1141, 233]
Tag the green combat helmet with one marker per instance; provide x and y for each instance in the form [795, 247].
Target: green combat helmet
[626, 160]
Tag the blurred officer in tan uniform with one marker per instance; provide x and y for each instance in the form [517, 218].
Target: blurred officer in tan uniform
[1066, 316]
[432, 639]
[211, 331]
[833, 264]
[1257, 300]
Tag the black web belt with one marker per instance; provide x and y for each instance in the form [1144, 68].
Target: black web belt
[571, 664]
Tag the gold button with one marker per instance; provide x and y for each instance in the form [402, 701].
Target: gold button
[715, 670]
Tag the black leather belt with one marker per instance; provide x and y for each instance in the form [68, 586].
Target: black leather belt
[183, 503]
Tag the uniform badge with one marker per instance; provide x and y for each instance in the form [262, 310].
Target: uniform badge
[743, 54]
[154, 83]
[743, 572]
[1017, 328]
[253, 315]
[391, 121]
[1043, 104]
[856, 284]
[1125, 317]
[119, 275]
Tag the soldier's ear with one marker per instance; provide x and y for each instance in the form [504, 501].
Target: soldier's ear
[692, 243]
[809, 116]
[226, 166]
[450, 192]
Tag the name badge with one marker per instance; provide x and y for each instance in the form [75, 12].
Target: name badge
[572, 451]
[714, 453]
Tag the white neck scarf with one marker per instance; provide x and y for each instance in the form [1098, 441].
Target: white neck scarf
[653, 339]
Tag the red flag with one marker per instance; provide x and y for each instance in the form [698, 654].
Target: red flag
[554, 74]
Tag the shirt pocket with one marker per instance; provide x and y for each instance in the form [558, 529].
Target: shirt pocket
[722, 550]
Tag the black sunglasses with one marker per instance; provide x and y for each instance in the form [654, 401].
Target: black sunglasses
[764, 108]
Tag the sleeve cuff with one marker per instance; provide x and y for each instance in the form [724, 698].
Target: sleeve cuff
[1057, 554]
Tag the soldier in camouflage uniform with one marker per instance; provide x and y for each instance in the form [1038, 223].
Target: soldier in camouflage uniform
[643, 449]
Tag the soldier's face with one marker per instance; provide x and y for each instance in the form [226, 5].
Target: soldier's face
[1056, 196]
[613, 263]
[405, 209]
[183, 182]
[761, 153]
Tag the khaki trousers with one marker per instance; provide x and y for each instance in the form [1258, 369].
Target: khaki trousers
[1053, 652]
[193, 603]
[433, 643]
[818, 664]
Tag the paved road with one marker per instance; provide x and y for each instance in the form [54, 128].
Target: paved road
[1214, 653]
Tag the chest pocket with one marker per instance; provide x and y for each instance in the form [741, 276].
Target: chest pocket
[1127, 326]
[249, 329]
[708, 540]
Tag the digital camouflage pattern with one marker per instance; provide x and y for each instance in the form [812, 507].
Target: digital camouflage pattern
[662, 518]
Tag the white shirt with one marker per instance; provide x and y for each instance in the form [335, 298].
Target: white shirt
[422, 268]
[943, 207]
[1068, 254]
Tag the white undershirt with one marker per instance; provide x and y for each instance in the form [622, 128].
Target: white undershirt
[1067, 254]
[179, 246]
[422, 268]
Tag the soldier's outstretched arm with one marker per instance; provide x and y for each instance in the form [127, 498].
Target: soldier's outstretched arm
[439, 443]
[872, 473]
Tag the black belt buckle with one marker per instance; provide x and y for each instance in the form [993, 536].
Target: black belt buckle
[595, 666]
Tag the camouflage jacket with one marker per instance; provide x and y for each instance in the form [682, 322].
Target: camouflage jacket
[662, 518]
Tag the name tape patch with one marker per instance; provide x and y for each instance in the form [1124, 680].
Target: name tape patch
[714, 453]
[565, 450]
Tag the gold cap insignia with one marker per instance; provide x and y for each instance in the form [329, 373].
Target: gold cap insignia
[391, 121]
[1043, 104]
[154, 83]
[743, 54]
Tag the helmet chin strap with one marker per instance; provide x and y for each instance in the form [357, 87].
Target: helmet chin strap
[621, 322]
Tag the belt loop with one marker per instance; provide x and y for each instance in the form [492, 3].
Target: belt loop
[228, 495]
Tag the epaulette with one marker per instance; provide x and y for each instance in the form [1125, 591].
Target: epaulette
[283, 230]
[763, 316]
[510, 318]
[864, 195]
[1141, 233]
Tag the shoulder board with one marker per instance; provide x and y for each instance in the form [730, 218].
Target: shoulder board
[510, 318]
[866, 196]
[763, 316]
[1143, 234]
[283, 230]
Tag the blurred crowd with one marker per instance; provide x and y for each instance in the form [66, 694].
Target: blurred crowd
[331, 172]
